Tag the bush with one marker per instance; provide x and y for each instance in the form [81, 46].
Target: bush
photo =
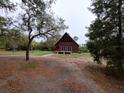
[113, 71]
[84, 50]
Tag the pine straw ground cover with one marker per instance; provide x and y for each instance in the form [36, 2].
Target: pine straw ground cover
[54, 75]
[9, 83]
[12, 86]
[6, 70]
[34, 69]
[99, 75]
[14, 71]
[75, 87]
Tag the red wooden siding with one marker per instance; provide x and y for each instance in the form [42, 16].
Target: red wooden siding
[66, 43]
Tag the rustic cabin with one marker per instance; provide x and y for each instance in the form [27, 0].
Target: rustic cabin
[66, 45]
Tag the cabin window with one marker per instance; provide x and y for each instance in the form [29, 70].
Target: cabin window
[66, 48]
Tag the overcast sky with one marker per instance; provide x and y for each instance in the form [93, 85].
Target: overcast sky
[76, 15]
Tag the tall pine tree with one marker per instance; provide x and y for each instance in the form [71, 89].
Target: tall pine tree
[106, 33]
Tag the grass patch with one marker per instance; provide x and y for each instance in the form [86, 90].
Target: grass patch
[15, 53]
[75, 55]
[40, 53]
[22, 53]
[84, 56]
[28, 66]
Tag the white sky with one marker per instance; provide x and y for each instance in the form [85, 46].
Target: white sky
[76, 15]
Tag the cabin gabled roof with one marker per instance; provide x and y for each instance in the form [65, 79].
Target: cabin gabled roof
[67, 36]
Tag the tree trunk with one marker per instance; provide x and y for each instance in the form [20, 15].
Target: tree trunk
[27, 50]
[27, 54]
[120, 63]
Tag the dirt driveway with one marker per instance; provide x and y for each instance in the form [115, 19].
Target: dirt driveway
[53, 74]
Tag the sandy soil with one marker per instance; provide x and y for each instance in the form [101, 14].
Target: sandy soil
[53, 74]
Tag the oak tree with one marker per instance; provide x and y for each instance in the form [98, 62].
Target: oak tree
[38, 20]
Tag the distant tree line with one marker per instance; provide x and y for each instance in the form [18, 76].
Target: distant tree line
[14, 40]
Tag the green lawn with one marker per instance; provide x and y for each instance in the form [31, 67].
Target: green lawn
[84, 56]
[22, 53]
[39, 53]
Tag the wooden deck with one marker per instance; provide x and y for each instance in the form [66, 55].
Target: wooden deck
[63, 52]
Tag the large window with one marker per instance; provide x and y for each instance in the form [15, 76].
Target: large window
[66, 48]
